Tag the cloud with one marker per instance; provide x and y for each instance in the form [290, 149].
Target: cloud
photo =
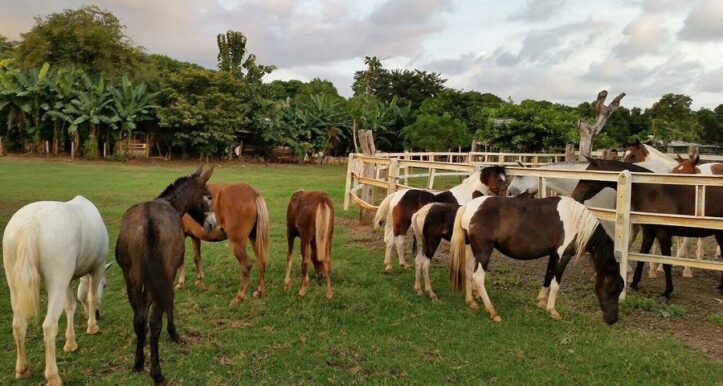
[704, 23]
[644, 35]
[712, 81]
[538, 10]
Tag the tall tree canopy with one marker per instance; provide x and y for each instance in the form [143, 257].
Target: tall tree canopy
[6, 47]
[89, 38]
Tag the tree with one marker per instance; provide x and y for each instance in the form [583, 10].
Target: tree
[90, 38]
[436, 133]
[587, 131]
[672, 119]
[6, 47]
[711, 122]
[89, 109]
[467, 106]
[233, 58]
[130, 106]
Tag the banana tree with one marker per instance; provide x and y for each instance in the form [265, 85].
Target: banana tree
[131, 105]
[22, 97]
[90, 107]
[62, 84]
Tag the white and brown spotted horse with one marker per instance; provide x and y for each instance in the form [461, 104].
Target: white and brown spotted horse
[397, 208]
[432, 223]
[526, 229]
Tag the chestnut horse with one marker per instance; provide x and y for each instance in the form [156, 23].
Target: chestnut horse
[397, 208]
[241, 214]
[150, 249]
[310, 216]
[525, 229]
[657, 198]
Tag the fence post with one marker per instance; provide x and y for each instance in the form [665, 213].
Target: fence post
[347, 186]
[406, 168]
[2, 148]
[392, 176]
[622, 224]
[569, 152]
[430, 183]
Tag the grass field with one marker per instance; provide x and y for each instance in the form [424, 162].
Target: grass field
[376, 330]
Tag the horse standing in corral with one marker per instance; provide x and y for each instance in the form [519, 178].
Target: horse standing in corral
[657, 198]
[397, 208]
[310, 216]
[53, 243]
[525, 229]
[241, 214]
[150, 249]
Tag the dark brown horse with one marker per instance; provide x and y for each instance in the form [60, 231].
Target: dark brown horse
[397, 208]
[310, 216]
[241, 215]
[657, 198]
[525, 229]
[150, 249]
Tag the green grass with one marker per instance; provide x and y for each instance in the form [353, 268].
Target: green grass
[375, 331]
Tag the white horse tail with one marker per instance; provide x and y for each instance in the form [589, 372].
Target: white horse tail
[262, 231]
[457, 268]
[324, 228]
[25, 273]
[382, 211]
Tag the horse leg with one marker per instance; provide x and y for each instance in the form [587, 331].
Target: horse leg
[683, 252]
[156, 324]
[181, 274]
[20, 327]
[482, 259]
[388, 254]
[289, 258]
[56, 301]
[665, 246]
[545, 291]
[647, 243]
[93, 300]
[327, 273]
[430, 248]
[239, 250]
[261, 266]
[469, 267]
[196, 244]
[418, 263]
[555, 285]
[70, 343]
[427, 282]
[137, 299]
[305, 257]
[400, 252]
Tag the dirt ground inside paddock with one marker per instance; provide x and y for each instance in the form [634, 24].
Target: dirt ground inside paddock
[687, 316]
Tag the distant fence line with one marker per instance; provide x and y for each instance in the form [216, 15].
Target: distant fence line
[386, 175]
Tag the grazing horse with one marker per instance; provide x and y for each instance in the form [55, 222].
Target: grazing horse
[397, 208]
[657, 198]
[526, 229]
[241, 215]
[150, 249]
[53, 243]
[310, 217]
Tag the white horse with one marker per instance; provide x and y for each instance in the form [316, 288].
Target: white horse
[54, 242]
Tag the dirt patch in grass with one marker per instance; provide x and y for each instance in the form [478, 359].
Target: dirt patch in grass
[691, 316]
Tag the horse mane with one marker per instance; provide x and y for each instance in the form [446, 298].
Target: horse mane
[173, 186]
[605, 164]
[660, 156]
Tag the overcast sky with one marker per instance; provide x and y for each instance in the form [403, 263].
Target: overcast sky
[559, 50]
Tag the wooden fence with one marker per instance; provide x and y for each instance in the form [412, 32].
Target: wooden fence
[387, 176]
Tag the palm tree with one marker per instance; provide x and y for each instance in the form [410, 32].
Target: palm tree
[131, 105]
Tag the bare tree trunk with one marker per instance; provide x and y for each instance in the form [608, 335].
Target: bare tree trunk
[353, 133]
[569, 152]
[587, 131]
[2, 147]
[366, 141]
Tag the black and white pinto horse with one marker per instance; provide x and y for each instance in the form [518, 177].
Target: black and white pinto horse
[526, 229]
[397, 208]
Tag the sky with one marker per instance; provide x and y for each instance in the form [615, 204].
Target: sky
[559, 50]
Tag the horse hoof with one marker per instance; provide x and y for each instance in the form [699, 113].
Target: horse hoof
[257, 294]
[542, 303]
[433, 296]
[138, 367]
[388, 269]
[496, 319]
[235, 301]
[660, 268]
[554, 314]
[473, 305]
[687, 273]
[329, 296]
[23, 374]
[200, 284]
[54, 380]
[92, 330]
[405, 266]
[419, 291]
[179, 286]
[70, 346]
[652, 274]
[159, 379]
[175, 338]
[663, 300]
[302, 292]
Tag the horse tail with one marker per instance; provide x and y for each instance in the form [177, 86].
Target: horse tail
[457, 269]
[323, 230]
[261, 240]
[157, 279]
[418, 219]
[25, 274]
[382, 211]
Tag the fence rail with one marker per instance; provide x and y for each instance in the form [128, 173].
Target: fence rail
[388, 169]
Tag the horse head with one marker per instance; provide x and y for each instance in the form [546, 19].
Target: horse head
[635, 152]
[525, 186]
[687, 166]
[191, 195]
[495, 179]
[83, 291]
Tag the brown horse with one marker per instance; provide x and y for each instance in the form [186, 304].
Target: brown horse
[150, 249]
[657, 198]
[525, 229]
[310, 216]
[241, 215]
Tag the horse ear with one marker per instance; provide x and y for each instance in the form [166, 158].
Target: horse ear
[679, 158]
[637, 142]
[206, 175]
[696, 160]
[591, 160]
[108, 266]
[198, 171]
